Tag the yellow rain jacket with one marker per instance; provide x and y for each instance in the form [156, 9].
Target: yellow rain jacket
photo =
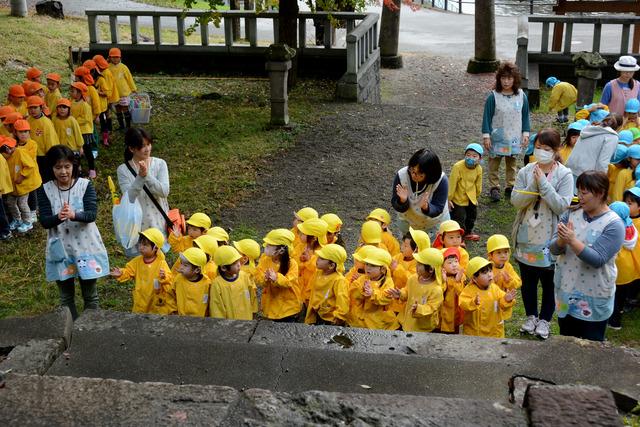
[429, 298]
[210, 270]
[306, 270]
[94, 101]
[624, 181]
[68, 131]
[514, 279]
[562, 96]
[43, 133]
[21, 163]
[450, 315]
[81, 111]
[6, 183]
[392, 244]
[51, 99]
[192, 297]
[5, 132]
[404, 270]
[465, 185]
[565, 151]
[112, 94]
[486, 319]
[329, 298]
[628, 261]
[281, 298]
[123, 79]
[22, 108]
[180, 244]
[464, 257]
[612, 174]
[145, 297]
[373, 312]
[31, 147]
[233, 299]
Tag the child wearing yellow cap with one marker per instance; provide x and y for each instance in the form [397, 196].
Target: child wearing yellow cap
[299, 217]
[190, 285]
[382, 216]
[334, 225]
[450, 236]
[151, 294]
[485, 305]
[209, 246]
[233, 292]
[250, 251]
[423, 293]
[453, 281]
[125, 85]
[53, 92]
[329, 297]
[277, 275]
[358, 264]
[403, 265]
[371, 234]
[504, 275]
[197, 225]
[313, 235]
[368, 298]
[220, 234]
[66, 126]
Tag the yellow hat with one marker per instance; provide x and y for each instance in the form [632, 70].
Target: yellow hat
[315, 227]
[219, 233]
[208, 244]
[475, 265]
[381, 215]
[278, 237]
[226, 255]
[199, 219]
[433, 258]
[333, 221]
[155, 236]
[335, 253]
[362, 252]
[421, 238]
[377, 256]
[497, 241]
[306, 213]
[449, 226]
[248, 247]
[371, 232]
[195, 256]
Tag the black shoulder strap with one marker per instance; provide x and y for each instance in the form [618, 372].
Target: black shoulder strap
[153, 199]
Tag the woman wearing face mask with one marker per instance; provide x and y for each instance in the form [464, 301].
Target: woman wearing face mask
[543, 191]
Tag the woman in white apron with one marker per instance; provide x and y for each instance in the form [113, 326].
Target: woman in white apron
[420, 193]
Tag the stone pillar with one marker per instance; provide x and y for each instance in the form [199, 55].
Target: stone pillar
[18, 8]
[484, 60]
[389, 33]
[588, 70]
[278, 65]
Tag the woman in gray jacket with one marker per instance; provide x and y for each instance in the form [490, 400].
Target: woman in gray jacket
[543, 191]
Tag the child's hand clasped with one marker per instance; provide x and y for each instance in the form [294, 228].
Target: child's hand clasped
[393, 293]
[367, 290]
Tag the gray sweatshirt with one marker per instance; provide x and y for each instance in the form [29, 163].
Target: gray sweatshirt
[593, 150]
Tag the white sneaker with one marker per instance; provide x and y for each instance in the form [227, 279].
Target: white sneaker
[529, 325]
[542, 329]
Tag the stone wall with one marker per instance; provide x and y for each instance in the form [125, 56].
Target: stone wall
[363, 87]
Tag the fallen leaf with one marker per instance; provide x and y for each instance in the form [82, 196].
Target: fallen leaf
[364, 386]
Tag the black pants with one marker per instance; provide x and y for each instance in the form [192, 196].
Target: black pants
[87, 148]
[46, 172]
[623, 292]
[530, 278]
[572, 327]
[4, 222]
[465, 216]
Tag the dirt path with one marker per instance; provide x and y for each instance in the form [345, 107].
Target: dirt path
[347, 162]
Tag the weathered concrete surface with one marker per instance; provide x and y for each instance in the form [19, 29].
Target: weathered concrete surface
[18, 330]
[34, 400]
[549, 406]
[33, 357]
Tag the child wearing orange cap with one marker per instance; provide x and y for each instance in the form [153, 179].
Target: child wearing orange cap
[453, 280]
[33, 74]
[53, 91]
[450, 235]
[9, 121]
[83, 74]
[26, 178]
[67, 127]
[16, 98]
[102, 90]
[6, 187]
[81, 111]
[5, 110]
[22, 131]
[109, 88]
[36, 89]
[125, 84]
[42, 132]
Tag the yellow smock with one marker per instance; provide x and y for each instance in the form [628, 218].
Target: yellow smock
[123, 79]
[103, 89]
[306, 270]
[465, 185]
[43, 133]
[6, 183]
[51, 99]
[562, 96]
[612, 174]
[329, 298]
[450, 316]
[464, 257]
[404, 269]
[429, 298]
[486, 319]
[22, 108]
[565, 151]
[624, 181]
[181, 243]
[68, 131]
[392, 244]
[373, 312]
[192, 297]
[30, 146]
[280, 298]
[514, 279]
[94, 101]
[22, 164]
[628, 262]
[112, 94]
[81, 111]
[145, 297]
[210, 269]
[233, 299]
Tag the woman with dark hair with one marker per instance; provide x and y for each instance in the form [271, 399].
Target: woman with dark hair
[420, 192]
[68, 208]
[140, 170]
[505, 127]
[617, 92]
[586, 243]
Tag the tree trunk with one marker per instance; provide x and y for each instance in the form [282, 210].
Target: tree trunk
[389, 34]
[288, 32]
[19, 8]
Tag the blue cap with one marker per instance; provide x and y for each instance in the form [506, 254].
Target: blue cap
[475, 147]
[579, 125]
[584, 122]
[622, 209]
[620, 154]
[632, 106]
[634, 152]
[625, 137]
[598, 116]
[552, 81]
[634, 190]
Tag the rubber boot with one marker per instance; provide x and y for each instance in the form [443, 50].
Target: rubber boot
[105, 138]
[127, 118]
[110, 124]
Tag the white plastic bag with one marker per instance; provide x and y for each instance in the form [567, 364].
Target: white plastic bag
[127, 221]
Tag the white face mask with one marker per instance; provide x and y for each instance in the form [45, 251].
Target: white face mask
[543, 157]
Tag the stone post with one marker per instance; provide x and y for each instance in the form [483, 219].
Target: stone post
[588, 71]
[18, 8]
[389, 33]
[278, 65]
[484, 60]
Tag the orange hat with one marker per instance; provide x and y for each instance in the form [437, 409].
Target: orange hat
[33, 73]
[81, 71]
[54, 76]
[80, 86]
[17, 91]
[63, 102]
[12, 118]
[101, 62]
[35, 101]
[453, 251]
[21, 125]
[5, 140]
[90, 64]
[5, 110]
[33, 87]
[88, 80]
[115, 52]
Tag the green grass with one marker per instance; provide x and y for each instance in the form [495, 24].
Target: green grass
[545, 93]
[178, 4]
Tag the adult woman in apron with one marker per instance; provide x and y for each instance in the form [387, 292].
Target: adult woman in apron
[420, 193]
[618, 91]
